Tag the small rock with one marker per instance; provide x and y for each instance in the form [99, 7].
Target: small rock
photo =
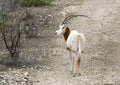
[39, 34]
[9, 69]
[31, 68]
[26, 74]
[25, 79]
[3, 81]
[24, 66]
[16, 75]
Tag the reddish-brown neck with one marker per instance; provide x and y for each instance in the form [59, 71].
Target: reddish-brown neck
[67, 33]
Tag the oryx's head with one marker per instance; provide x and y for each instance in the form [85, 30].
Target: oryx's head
[63, 26]
[61, 29]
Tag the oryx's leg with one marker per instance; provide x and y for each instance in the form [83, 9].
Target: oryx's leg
[75, 65]
[77, 60]
[71, 61]
[78, 65]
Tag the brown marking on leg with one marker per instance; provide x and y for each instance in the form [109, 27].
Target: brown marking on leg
[79, 62]
[79, 74]
[69, 49]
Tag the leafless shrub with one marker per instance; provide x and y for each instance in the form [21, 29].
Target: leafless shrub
[10, 28]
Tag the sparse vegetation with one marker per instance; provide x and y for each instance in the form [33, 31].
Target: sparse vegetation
[10, 29]
[29, 28]
[11, 34]
[35, 2]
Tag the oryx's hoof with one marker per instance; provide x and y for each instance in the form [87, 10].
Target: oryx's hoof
[79, 74]
[71, 72]
[74, 74]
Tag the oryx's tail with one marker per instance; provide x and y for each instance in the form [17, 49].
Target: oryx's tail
[81, 40]
[82, 37]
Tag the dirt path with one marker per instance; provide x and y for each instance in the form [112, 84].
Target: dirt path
[47, 59]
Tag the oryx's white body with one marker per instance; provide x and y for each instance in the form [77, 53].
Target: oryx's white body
[74, 41]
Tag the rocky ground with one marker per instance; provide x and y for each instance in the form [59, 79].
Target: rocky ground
[44, 60]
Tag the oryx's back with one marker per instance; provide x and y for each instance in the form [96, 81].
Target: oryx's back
[74, 35]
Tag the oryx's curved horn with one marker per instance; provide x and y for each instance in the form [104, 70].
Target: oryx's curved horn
[67, 18]
[72, 16]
